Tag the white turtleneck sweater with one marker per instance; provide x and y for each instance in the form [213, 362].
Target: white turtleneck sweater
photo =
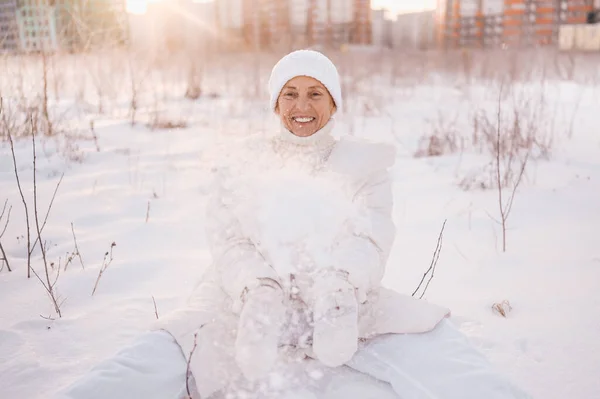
[314, 149]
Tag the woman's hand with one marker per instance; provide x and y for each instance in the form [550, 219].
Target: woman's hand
[335, 315]
[259, 330]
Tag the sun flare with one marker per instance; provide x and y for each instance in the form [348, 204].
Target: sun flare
[139, 6]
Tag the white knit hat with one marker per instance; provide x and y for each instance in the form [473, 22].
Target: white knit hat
[305, 63]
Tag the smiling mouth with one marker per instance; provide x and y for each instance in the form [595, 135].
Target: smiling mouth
[303, 119]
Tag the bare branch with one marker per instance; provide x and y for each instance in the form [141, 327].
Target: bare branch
[432, 266]
[493, 218]
[48, 211]
[4, 258]
[50, 286]
[188, 370]
[3, 210]
[516, 185]
[12, 150]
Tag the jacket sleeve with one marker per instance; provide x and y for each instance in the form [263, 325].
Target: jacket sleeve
[239, 265]
[363, 252]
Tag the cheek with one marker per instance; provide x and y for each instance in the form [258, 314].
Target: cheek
[283, 109]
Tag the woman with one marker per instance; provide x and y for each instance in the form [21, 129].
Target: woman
[300, 229]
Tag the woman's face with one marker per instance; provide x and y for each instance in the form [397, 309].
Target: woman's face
[304, 106]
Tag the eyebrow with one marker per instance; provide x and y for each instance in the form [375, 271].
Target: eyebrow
[311, 87]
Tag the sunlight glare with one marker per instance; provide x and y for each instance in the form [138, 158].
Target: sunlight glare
[403, 6]
[139, 6]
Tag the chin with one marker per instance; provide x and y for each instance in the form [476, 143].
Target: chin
[303, 134]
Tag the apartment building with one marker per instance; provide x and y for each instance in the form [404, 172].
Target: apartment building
[492, 23]
[36, 25]
[269, 23]
[50, 25]
[9, 32]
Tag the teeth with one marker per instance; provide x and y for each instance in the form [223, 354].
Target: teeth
[304, 120]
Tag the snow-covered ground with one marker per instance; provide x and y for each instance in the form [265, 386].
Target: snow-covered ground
[145, 190]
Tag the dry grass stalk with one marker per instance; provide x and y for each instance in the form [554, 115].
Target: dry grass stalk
[108, 258]
[155, 308]
[77, 252]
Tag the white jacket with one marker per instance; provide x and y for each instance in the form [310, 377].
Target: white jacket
[240, 260]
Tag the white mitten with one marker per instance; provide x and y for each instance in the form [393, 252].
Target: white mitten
[259, 331]
[335, 315]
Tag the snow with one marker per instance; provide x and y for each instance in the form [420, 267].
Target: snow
[297, 217]
[145, 190]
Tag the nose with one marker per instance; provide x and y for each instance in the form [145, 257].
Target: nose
[302, 104]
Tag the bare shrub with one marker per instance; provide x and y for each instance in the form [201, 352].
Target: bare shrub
[47, 282]
[506, 176]
[443, 139]
[522, 131]
[161, 122]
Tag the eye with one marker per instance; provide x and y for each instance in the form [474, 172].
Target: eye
[290, 94]
[316, 94]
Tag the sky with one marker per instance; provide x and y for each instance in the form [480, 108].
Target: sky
[395, 6]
